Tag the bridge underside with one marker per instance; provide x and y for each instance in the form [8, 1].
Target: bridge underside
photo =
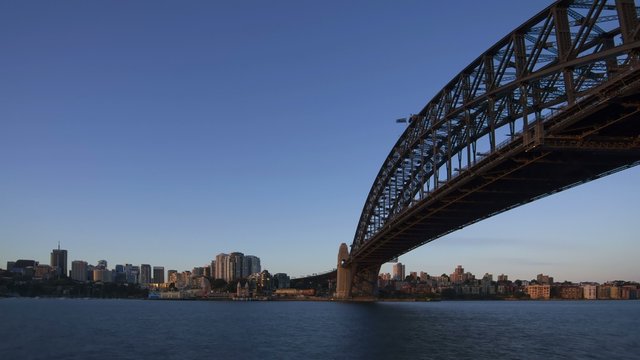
[580, 150]
[599, 136]
[564, 87]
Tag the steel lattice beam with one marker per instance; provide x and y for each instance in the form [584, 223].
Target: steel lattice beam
[547, 67]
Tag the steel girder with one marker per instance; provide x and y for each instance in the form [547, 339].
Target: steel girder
[552, 61]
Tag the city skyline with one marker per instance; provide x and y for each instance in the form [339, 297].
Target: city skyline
[225, 268]
[187, 129]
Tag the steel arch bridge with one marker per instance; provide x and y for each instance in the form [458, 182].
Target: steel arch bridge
[552, 105]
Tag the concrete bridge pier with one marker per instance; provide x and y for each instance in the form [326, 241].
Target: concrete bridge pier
[358, 282]
[343, 285]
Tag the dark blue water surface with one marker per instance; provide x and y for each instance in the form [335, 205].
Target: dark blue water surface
[136, 329]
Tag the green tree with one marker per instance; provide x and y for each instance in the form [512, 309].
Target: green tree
[232, 286]
[218, 284]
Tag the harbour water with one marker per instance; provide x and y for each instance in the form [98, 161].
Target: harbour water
[138, 329]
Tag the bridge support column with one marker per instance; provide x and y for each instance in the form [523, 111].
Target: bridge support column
[355, 281]
[344, 278]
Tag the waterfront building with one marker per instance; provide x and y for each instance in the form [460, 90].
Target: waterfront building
[195, 281]
[383, 279]
[442, 280]
[538, 291]
[198, 271]
[145, 274]
[488, 288]
[44, 272]
[120, 275]
[90, 269]
[59, 261]
[398, 271]
[614, 292]
[603, 291]
[468, 289]
[183, 279]
[10, 265]
[79, 270]
[544, 279]
[172, 277]
[503, 278]
[246, 265]
[212, 273]
[629, 292]
[503, 289]
[221, 266]
[590, 292]
[24, 267]
[264, 282]
[457, 276]
[242, 291]
[281, 281]
[234, 266]
[569, 292]
[158, 274]
[205, 286]
[102, 275]
[250, 265]
[132, 274]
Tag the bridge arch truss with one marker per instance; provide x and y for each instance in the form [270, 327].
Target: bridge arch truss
[560, 60]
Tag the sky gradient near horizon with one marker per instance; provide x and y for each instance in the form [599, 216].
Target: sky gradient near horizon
[166, 132]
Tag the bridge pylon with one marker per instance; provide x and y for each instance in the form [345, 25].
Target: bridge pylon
[355, 281]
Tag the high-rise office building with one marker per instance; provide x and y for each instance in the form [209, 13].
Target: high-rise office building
[158, 274]
[212, 271]
[398, 271]
[119, 274]
[145, 274]
[133, 277]
[79, 270]
[234, 266]
[131, 274]
[250, 265]
[59, 261]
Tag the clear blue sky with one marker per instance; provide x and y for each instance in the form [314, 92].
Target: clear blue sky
[166, 132]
